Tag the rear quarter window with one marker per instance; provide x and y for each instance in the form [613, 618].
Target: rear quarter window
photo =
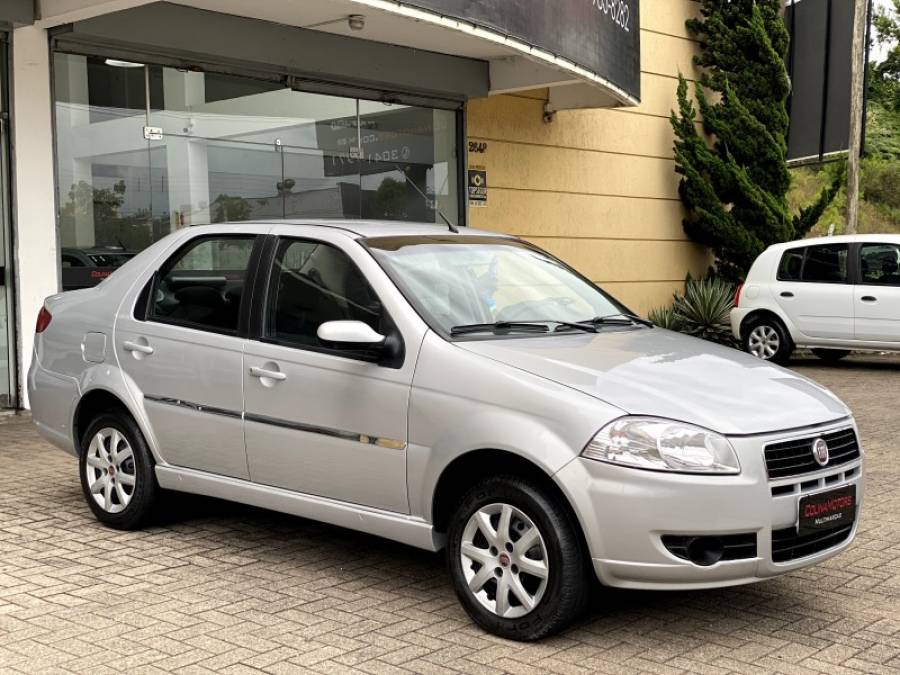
[791, 265]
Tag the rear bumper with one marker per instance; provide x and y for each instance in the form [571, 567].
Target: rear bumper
[53, 398]
[626, 512]
[738, 314]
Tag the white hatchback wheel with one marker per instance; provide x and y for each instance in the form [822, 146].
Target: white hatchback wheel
[764, 342]
[110, 470]
[504, 560]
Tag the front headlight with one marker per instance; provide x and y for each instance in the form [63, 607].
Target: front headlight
[662, 445]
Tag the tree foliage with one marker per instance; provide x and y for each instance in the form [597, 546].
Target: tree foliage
[735, 177]
[884, 81]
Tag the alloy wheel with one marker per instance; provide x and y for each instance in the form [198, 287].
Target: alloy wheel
[110, 470]
[764, 342]
[504, 560]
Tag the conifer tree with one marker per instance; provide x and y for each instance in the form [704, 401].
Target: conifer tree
[735, 178]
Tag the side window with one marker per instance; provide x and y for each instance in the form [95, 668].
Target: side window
[313, 283]
[826, 264]
[201, 287]
[791, 265]
[880, 264]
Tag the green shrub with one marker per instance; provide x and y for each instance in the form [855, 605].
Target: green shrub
[881, 182]
[665, 317]
[703, 311]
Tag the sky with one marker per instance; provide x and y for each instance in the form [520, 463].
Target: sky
[878, 52]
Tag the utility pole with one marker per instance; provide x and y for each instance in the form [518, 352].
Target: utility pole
[857, 96]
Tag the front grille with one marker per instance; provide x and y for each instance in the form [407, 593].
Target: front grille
[788, 545]
[792, 458]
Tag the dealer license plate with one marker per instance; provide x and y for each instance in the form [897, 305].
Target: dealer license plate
[827, 510]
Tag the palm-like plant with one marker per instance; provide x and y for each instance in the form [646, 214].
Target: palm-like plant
[665, 317]
[703, 311]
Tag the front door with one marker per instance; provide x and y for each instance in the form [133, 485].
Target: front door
[321, 421]
[819, 302]
[182, 347]
[877, 297]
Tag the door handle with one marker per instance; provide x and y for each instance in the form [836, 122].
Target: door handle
[269, 374]
[787, 294]
[869, 298]
[130, 346]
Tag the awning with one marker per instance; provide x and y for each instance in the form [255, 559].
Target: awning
[587, 52]
[16, 12]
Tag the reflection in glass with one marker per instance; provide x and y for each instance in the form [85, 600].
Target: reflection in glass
[233, 149]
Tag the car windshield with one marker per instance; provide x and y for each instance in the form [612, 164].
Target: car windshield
[459, 281]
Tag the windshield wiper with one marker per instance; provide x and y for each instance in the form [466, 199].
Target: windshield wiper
[619, 319]
[500, 327]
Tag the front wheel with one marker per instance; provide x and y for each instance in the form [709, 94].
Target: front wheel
[516, 559]
[768, 340]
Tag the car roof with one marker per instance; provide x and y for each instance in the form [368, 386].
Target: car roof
[376, 228]
[839, 239]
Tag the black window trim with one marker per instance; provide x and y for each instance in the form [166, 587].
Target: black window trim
[860, 281]
[263, 283]
[143, 305]
[851, 265]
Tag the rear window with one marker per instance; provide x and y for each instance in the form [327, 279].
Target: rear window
[791, 265]
[826, 264]
[815, 264]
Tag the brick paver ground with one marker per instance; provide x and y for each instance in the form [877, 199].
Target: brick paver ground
[225, 588]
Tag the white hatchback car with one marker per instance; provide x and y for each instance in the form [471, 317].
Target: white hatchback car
[832, 295]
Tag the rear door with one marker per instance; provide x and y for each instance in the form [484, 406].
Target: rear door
[814, 291]
[182, 347]
[877, 296]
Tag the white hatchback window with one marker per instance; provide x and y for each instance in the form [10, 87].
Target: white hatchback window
[880, 264]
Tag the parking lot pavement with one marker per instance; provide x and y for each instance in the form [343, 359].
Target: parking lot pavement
[225, 588]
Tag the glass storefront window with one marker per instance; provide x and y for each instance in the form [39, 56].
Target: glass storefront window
[232, 148]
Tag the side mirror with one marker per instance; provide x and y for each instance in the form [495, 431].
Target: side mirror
[349, 335]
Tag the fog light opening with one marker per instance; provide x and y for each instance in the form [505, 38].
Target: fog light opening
[705, 551]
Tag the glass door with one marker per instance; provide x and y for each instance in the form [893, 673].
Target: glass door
[7, 322]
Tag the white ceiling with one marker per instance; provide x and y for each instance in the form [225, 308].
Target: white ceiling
[381, 26]
[514, 65]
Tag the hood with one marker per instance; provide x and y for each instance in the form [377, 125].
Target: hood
[657, 372]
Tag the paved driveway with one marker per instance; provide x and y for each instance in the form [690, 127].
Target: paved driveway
[218, 587]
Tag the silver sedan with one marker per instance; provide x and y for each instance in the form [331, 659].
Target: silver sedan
[461, 391]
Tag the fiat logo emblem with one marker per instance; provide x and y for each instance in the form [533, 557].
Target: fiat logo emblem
[820, 451]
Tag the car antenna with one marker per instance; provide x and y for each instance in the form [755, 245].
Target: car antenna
[450, 225]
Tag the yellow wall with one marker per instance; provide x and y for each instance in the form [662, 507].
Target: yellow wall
[598, 188]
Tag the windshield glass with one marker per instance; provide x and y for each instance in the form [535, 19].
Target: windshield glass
[456, 281]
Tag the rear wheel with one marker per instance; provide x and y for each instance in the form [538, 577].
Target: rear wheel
[116, 469]
[516, 559]
[831, 355]
[768, 340]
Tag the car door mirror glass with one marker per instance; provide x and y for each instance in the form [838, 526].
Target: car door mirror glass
[349, 335]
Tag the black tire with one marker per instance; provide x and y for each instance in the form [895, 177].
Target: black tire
[768, 325]
[567, 588]
[144, 491]
[831, 355]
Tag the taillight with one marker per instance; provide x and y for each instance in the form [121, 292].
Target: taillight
[43, 320]
[737, 295]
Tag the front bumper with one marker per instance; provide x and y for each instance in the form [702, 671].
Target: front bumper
[625, 512]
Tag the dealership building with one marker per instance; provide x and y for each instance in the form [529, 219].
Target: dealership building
[124, 120]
